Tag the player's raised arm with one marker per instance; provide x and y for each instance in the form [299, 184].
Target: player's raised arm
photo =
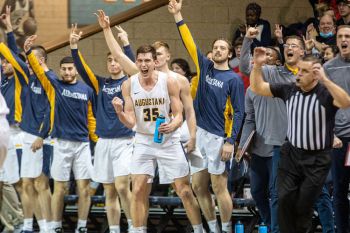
[129, 66]
[257, 83]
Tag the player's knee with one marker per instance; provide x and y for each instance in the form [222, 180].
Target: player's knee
[199, 189]
[60, 189]
[122, 189]
[219, 189]
[184, 192]
[139, 192]
[41, 186]
[27, 186]
[84, 192]
[110, 192]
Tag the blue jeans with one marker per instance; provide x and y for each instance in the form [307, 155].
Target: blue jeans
[325, 211]
[341, 178]
[274, 195]
[261, 185]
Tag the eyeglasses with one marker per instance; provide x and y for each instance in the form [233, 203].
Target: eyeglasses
[293, 46]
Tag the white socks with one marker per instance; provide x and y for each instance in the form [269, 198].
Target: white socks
[197, 228]
[81, 223]
[28, 224]
[43, 225]
[114, 229]
[213, 226]
[227, 227]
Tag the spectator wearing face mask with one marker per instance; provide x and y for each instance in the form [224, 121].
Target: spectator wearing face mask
[327, 29]
[327, 36]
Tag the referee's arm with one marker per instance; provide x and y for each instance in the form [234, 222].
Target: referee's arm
[341, 99]
[257, 83]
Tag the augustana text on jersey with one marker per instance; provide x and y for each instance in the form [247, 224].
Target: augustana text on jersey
[111, 90]
[214, 82]
[149, 101]
[74, 95]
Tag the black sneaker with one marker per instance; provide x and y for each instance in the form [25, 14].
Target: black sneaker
[58, 230]
[81, 230]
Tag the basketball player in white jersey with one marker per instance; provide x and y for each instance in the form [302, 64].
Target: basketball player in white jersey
[147, 95]
[163, 57]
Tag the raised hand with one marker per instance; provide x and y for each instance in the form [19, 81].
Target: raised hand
[102, 19]
[118, 105]
[6, 19]
[251, 32]
[29, 43]
[279, 33]
[319, 73]
[309, 44]
[74, 37]
[311, 32]
[122, 35]
[174, 6]
[260, 57]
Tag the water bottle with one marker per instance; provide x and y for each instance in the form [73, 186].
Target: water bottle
[262, 228]
[158, 137]
[239, 227]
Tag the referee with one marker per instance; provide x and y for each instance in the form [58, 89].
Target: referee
[305, 158]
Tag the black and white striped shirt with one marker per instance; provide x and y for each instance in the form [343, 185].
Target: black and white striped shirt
[310, 115]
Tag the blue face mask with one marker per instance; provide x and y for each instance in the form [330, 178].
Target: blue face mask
[326, 35]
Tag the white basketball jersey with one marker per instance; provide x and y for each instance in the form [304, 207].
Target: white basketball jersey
[149, 105]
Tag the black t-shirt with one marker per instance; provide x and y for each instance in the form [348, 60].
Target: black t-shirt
[310, 115]
[341, 22]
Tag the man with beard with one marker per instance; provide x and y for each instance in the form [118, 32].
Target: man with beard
[114, 147]
[34, 126]
[148, 94]
[71, 123]
[217, 85]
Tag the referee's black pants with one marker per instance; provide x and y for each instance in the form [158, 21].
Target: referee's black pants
[301, 175]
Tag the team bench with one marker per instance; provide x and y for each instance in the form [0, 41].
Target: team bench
[165, 212]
